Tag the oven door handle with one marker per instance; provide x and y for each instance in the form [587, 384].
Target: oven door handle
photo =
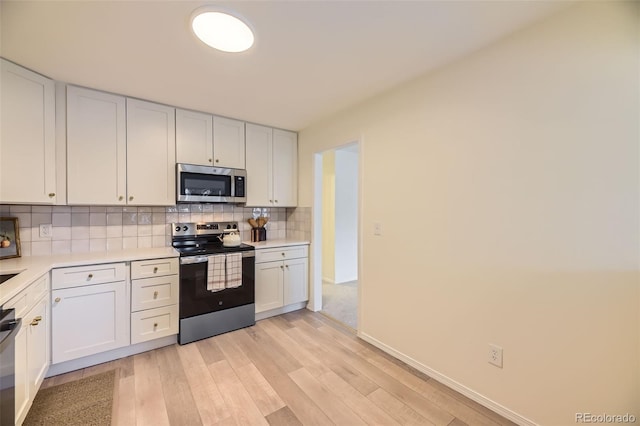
[189, 260]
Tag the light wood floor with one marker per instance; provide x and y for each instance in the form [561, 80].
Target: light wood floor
[298, 368]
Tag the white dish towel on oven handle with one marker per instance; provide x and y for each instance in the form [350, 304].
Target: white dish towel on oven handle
[216, 273]
[234, 270]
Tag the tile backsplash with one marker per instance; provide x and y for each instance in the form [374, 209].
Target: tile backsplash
[100, 228]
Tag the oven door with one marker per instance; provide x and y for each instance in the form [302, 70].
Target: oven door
[195, 299]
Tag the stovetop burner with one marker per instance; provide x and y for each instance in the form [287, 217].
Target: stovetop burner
[204, 238]
[194, 251]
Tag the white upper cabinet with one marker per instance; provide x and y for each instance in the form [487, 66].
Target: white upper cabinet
[207, 140]
[96, 147]
[151, 153]
[194, 138]
[272, 167]
[27, 137]
[228, 143]
[119, 151]
[285, 168]
[259, 165]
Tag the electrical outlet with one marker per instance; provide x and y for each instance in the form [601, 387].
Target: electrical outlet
[46, 231]
[377, 228]
[495, 355]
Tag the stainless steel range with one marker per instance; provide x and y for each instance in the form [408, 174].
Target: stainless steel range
[217, 280]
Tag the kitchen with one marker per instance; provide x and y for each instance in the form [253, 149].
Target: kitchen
[509, 252]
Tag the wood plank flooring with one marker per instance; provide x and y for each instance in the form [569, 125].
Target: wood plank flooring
[299, 368]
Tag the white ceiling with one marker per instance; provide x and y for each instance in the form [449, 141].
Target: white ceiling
[311, 58]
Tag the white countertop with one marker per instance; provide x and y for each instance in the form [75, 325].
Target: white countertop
[33, 267]
[276, 243]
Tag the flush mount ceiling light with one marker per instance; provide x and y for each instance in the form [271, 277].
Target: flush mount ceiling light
[221, 30]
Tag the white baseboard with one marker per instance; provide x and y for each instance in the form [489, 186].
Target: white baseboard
[88, 361]
[280, 311]
[458, 387]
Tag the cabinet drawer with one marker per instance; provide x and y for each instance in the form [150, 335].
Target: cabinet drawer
[284, 253]
[83, 275]
[154, 323]
[28, 297]
[154, 268]
[155, 292]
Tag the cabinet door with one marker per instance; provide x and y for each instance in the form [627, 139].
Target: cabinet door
[296, 281]
[285, 168]
[269, 286]
[38, 349]
[194, 138]
[27, 136]
[228, 143]
[88, 320]
[259, 165]
[96, 147]
[151, 154]
[22, 372]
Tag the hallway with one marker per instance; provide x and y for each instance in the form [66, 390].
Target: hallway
[340, 302]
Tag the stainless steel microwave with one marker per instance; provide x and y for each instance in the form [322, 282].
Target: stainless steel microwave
[205, 184]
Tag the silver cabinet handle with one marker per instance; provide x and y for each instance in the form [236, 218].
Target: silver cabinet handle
[52, 194]
[57, 299]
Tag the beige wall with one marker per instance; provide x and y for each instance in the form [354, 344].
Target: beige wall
[520, 205]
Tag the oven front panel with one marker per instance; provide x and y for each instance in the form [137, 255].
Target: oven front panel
[195, 299]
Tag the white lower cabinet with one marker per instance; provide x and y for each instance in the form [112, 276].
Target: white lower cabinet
[154, 301]
[269, 286]
[281, 283]
[154, 323]
[296, 283]
[22, 401]
[31, 343]
[88, 316]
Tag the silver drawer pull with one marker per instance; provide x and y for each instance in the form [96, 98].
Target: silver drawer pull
[155, 294]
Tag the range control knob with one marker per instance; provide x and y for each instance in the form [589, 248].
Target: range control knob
[235, 226]
[177, 228]
[228, 226]
[185, 228]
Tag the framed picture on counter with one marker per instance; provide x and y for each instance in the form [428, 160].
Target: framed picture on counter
[9, 238]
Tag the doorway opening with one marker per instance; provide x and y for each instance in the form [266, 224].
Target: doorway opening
[337, 202]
